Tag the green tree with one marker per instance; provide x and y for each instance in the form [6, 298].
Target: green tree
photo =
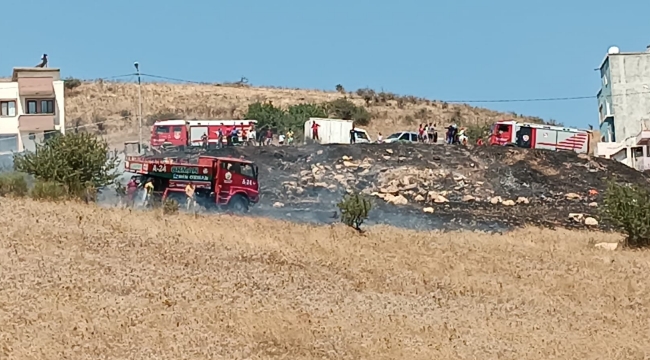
[79, 162]
[474, 132]
[267, 115]
[354, 210]
[628, 208]
[298, 114]
[345, 109]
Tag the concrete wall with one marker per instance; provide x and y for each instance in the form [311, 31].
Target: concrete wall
[605, 93]
[9, 136]
[9, 131]
[59, 93]
[629, 73]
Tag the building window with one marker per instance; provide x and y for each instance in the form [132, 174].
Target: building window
[7, 108]
[44, 106]
[8, 143]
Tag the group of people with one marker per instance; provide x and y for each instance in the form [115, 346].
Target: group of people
[232, 137]
[284, 138]
[427, 133]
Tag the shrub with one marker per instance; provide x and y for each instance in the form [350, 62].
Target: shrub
[294, 117]
[345, 109]
[48, 190]
[354, 210]
[71, 83]
[266, 114]
[77, 161]
[628, 208]
[474, 132]
[13, 184]
[170, 207]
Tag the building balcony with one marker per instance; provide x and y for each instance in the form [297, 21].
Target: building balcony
[36, 123]
[643, 138]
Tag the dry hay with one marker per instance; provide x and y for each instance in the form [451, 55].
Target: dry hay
[80, 282]
[117, 105]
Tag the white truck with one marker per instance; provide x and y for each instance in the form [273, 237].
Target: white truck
[334, 131]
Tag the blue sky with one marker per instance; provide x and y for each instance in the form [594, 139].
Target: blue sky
[452, 50]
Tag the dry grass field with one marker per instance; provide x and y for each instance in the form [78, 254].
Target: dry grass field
[117, 104]
[80, 282]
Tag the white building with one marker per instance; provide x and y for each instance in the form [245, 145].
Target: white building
[624, 108]
[32, 108]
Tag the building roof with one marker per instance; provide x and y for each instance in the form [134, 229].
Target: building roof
[35, 72]
[622, 53]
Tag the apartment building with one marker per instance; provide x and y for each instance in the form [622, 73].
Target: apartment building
[32, 108]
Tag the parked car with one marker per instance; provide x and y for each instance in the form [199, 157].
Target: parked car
[406, 136]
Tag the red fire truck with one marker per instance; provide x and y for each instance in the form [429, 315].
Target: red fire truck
[188, 133]
[219, 181]
[539, 136]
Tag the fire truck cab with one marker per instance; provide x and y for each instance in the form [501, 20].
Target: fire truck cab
[219, 181]
[180, 134]
[539, 136]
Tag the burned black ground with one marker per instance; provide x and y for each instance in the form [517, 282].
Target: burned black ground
[542, 178]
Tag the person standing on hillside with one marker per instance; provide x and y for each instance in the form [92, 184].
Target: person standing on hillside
[314, 131]
[290, 137]
[220, 136]
[353, 135]
[432, 134]
[269, 137]
[204, 141]
[252, 136]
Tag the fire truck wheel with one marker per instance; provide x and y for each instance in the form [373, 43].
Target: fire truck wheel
[238, 204]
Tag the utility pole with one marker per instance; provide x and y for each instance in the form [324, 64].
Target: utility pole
[137, 69]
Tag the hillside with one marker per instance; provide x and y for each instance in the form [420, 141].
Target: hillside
[117, 104]
[80, 282]
[473, 188]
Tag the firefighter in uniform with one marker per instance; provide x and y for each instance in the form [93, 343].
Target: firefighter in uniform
[189, 191]
[148, 188]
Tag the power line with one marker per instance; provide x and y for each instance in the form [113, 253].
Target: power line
[469, 101]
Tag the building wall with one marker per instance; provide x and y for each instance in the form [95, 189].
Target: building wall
[9, 125]
[629, 74]
[59, 92]
[11, 139]
[605, 93]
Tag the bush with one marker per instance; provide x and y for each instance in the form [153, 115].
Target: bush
[71, 83]
[77, 161]
[345, 109]
[354, 210]
[474, 132]
[294, 117]
[48, 190]
[628, 208]
[170, 207]
[13, 184]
